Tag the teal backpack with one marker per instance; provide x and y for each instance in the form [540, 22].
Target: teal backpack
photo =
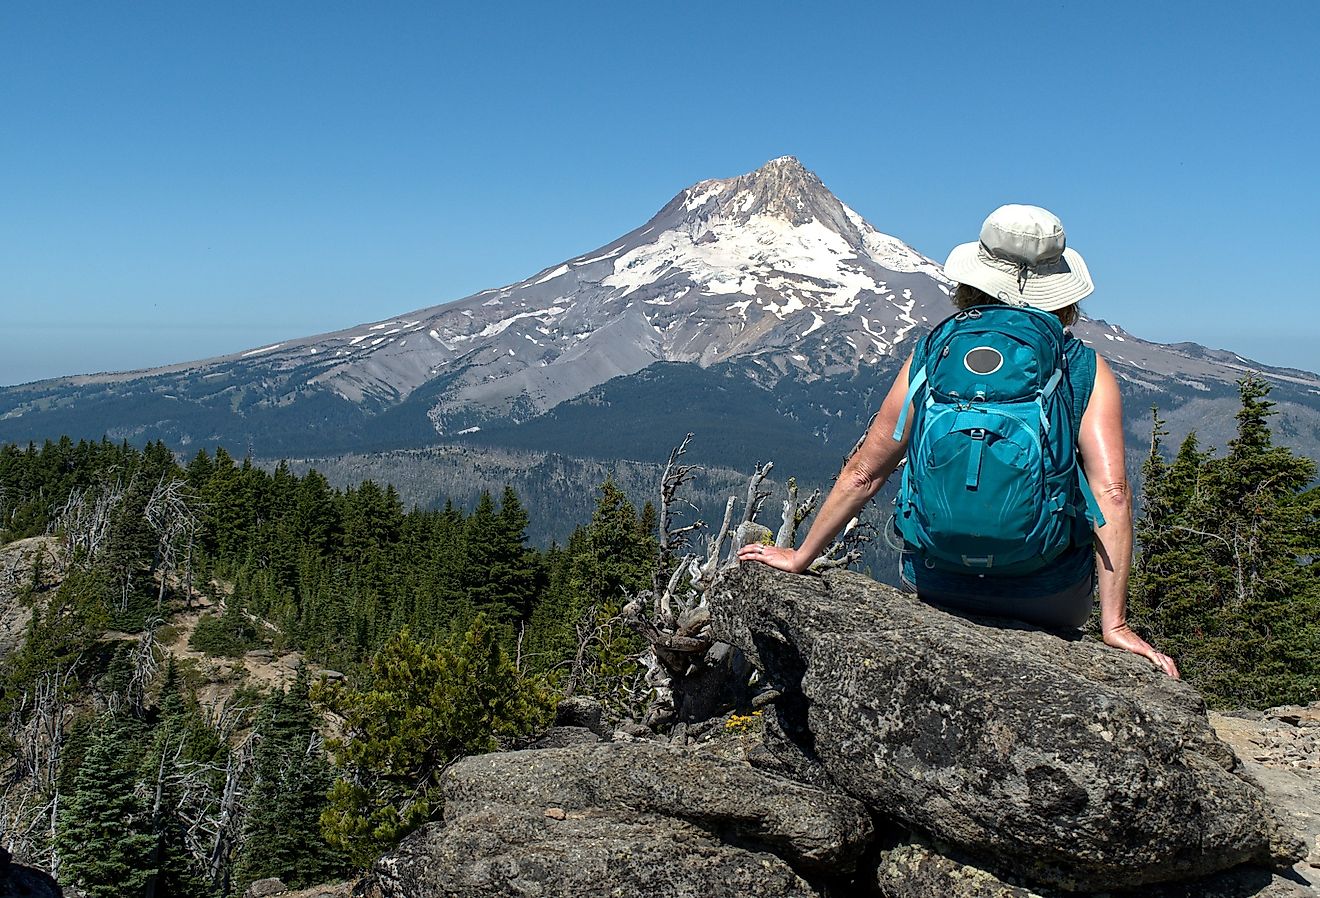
[993, 484]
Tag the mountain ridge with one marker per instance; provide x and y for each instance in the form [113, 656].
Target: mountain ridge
[767, 271]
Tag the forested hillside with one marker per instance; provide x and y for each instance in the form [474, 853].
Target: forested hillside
[442, 633]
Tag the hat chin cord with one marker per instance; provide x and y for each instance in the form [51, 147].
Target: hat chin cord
[1023, 269]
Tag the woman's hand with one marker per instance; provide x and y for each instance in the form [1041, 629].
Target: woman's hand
[1123, 637]
[783, 559]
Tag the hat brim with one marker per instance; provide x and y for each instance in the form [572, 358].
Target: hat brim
[1064, 282]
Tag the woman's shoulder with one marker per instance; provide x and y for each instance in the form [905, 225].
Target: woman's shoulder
[1080, 353]
[1073, 344]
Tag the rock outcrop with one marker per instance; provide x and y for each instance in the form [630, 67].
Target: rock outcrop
[919, 868]
[907, 752]
[1077, 765]
[625, 816]
[808, 828]
[1280, 748]
[19, 881]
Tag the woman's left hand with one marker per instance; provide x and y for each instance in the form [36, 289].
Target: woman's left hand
[1124, 637]
[775, 557]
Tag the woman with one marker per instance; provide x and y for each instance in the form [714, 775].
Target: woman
[1021, 259]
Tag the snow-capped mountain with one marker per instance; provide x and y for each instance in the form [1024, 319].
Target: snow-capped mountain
[752, 265]
[769, 271]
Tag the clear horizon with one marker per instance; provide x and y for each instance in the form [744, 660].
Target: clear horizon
[180, 183]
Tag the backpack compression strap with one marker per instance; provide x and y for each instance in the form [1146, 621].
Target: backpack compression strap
[1093, 513]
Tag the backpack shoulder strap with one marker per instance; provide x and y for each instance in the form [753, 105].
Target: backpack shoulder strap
[916, 380]
[1081, 377]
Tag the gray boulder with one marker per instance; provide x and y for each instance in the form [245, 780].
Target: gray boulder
[19, 881]
[916, 868]
[1076, 765]
[582, 711]
[508, 852]
[264, 888]
[561, 737]
[811, 829]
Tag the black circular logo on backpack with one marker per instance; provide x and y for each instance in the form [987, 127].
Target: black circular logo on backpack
[983, 360]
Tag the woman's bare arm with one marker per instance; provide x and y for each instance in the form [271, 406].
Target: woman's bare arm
[862, 476]
[1102, 459]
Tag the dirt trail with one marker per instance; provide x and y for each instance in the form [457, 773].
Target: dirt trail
[262, 668]
[220, 676]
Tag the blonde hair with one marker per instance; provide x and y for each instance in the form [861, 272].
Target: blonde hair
[965, 296]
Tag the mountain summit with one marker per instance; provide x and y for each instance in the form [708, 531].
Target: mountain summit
[768, 270]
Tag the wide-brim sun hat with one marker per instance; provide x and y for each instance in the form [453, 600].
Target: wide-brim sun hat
[1022, 258]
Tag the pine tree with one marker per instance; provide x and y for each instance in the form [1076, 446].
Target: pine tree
[420, 706]
[128, 557]
[104, 840]
[499, 572]
[174, 871]
[1226, 580]
[1166, 595]
[281, 832]
[604, 564]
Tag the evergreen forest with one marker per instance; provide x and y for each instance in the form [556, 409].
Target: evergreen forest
[426, 635]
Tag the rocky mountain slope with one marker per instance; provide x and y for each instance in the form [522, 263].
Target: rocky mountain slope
[765, 285]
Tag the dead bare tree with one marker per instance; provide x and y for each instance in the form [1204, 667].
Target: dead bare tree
[672, 539]
[223, 826]
[144, 661]
[684, 665]
[172, 513]
[30, 799]
[83, 521]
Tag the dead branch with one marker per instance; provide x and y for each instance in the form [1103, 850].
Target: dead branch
[664, 602]
[37, 724]
[794, 514]
[145, 661]
[755, 497]
[716, 541]
[848, 548]
[671, 540]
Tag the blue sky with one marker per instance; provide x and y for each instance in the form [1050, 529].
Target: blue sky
[180, 180]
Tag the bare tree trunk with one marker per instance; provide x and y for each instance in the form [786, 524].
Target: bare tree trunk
[227, 818]
[669, 538]
[755, 498]
[156, 813]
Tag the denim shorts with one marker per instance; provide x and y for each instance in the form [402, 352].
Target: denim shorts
[1066, 609]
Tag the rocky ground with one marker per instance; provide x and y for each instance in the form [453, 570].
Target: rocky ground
[17, 560]
[1281, 749]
